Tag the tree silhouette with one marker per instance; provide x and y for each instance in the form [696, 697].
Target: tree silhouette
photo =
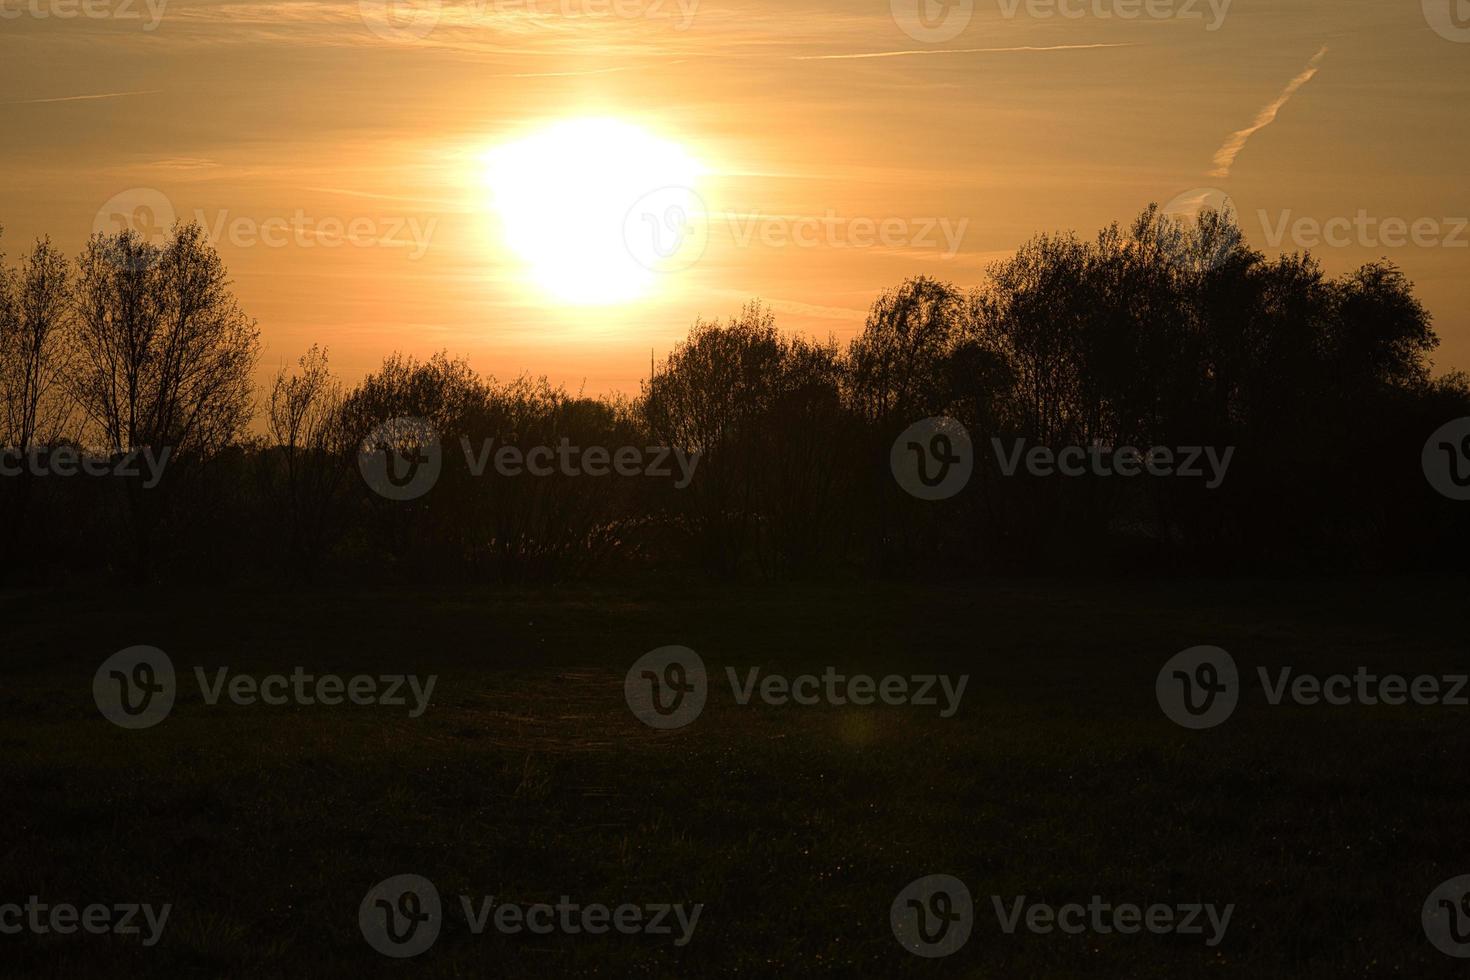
[1160, 332]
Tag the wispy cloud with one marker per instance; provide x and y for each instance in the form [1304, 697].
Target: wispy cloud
[440, 204]
[560, 74]
[796, 307]
[84, 98]
[1225, 156]
[919, 51]
[185, 163]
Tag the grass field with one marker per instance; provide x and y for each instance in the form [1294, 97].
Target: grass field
[529, 778]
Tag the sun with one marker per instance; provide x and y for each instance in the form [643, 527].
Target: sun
[596, 210]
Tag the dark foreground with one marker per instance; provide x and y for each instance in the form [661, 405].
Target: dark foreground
[528, 779]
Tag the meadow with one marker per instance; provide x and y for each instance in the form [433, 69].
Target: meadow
[528, 778]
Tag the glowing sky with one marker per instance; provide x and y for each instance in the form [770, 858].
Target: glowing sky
[838, 153]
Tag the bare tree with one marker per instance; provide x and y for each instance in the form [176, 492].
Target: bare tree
[34, 411]
[304, 422]
[898, 361]
[712, 396]
[164, 360]
[34, 313]
[165, 356]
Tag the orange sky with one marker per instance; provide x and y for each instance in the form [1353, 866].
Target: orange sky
[825, 177]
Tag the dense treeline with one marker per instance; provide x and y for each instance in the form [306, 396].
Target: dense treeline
[1155, 334]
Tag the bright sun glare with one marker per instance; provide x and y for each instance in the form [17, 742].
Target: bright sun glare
[592, 206]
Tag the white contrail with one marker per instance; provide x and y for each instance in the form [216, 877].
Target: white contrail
[1225, 156]
[83, 98]
[905, 54]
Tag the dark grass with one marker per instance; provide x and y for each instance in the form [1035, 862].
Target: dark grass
[529, 779]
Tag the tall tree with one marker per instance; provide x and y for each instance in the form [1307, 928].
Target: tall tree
[165, 355]
[164, 362]
[34, 316]
[310, 465]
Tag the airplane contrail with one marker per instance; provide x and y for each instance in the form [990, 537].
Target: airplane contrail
[1225, 156]
[84, 98]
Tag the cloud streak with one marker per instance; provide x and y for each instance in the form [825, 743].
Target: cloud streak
[919, 51]
[1225, 156]
[84, 98]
